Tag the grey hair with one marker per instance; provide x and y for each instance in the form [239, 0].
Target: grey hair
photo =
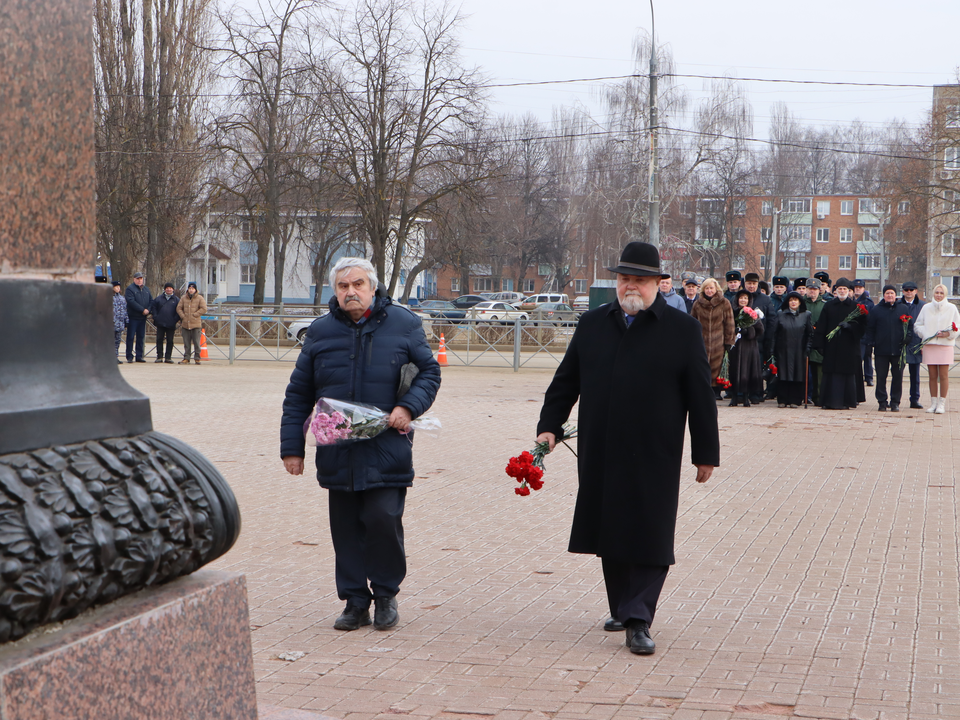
[347, 263]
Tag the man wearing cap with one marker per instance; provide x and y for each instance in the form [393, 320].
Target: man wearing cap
[670, 295]
[779, 291]
[119, 318]
[862, 296]
[764, 304]
[191, 310]
[690, 290]
[841, 387]
[815, 304]
[629, 464]
[912, 305]
[165, 318]
[824, 279]
[138, 307]
[733, 287]
[800, 286]
[885, 332]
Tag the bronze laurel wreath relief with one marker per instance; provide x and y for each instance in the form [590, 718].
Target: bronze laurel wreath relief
[83, 524]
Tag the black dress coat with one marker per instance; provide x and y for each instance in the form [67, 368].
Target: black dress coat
[794, 333]
[841, 355]
[637, 387]
[745, 364]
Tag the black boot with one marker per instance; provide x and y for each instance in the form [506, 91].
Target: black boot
[733, 401]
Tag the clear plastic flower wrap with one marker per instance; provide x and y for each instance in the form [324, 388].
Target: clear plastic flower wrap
[337, 421]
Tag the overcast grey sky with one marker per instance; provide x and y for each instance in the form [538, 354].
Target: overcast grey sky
[822, 40]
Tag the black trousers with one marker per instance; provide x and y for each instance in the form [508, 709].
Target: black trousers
[136, 330]
[891, 363]
[633, 590]
[866, 354]
[367, 532]
[813, 387]
[164, 334]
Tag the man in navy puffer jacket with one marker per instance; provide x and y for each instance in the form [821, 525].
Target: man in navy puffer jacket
[355, 354]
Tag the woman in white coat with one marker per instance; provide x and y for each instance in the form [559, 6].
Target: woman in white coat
[940, 320]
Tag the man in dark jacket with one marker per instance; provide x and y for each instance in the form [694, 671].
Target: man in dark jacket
[138, 307]
[779, 292]
[164, 310]
[733, 278]
[885, 333]
[629, 462]
[862, 295]
[760, 301]
[815, 304]
[364, 351]
[691, 290]
[914, 359]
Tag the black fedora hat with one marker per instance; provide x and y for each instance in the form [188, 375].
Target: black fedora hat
[640, 259]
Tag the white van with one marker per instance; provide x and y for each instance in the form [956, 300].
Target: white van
[507, 297]
[535, 300]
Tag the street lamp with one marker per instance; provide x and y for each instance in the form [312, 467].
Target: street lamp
[653, 191]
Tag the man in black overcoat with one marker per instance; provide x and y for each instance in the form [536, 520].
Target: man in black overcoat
[841, 386]
[640, 370]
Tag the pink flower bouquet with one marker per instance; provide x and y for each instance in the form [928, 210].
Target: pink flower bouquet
[336, 421]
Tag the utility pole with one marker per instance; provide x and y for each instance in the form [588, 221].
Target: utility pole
[653, 214]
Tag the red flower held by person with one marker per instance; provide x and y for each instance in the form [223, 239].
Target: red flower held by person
[527, 467]
[857, 312]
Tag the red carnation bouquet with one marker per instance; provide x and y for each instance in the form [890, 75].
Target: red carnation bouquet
[527, 468]
[723, 379]
[905, 319]
[953, 327]
[857, 312]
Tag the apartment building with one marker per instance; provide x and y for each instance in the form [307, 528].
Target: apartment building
[943, 246]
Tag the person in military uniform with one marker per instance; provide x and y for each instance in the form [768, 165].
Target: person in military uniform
[779, 292]
[800, 286]
[824, 279]
[764, 304]
[733, 286]
[862, 295]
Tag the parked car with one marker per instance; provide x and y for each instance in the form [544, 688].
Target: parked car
[581, 303]
[468, 301]
[443, 309]
[297, 330]
[496, 311]
[508, 297]
[535, 301]
[555, 314]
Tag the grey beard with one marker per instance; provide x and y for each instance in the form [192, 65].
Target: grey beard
[632, 304]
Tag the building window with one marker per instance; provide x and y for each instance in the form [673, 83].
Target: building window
[902, 237]
[952, 117]
[846, 235]
[903, 207]
[868, 205]
[528, 286]
[823, 235]
[951, 158]
[686, 208]
[739, 207]
[581, 260]
[403, 276]
[951, 201]
[738, 263]
[506, 285]
[846, 207]
[710, 207]
[766, 234]
[704, 262]
[871, 234]
[845, 262]
[795, 260]
[766, 207]
[868, 261]
[356, 250]
[763, 262]
[484, 284]
[822, 262]
[544, 269]
[245, 230]
[948, 244]
[579, 286]
[797, 205]
[738, 234]
[248, 274]
[823, 208]
[956, 286]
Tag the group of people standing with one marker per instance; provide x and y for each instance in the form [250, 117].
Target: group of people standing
[132, 307]
[815, 341]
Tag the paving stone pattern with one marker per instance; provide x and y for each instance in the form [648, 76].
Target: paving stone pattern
[816, 575]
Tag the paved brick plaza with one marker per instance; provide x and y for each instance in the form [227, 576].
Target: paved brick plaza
[816, 576]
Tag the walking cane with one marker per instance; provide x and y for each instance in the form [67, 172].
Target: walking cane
[806, 381]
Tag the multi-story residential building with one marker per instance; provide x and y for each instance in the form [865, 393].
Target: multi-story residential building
[943, 246]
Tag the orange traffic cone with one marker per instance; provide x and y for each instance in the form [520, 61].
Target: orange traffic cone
[442, 352]
[203, 345]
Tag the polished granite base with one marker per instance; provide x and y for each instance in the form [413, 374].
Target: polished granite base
[181, 650]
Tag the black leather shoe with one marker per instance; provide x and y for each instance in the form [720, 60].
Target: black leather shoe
[158, 360]
[746, 402]
[385, 614]
[352, 618]
[613, 625]
[915, 405]
[882, 408]
[141, 361]
[869, 383]
[638, 638]
[894, 407]
[733, 402]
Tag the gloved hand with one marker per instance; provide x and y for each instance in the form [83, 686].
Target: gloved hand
[844, 326]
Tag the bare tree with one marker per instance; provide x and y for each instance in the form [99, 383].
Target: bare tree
[398, 100]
